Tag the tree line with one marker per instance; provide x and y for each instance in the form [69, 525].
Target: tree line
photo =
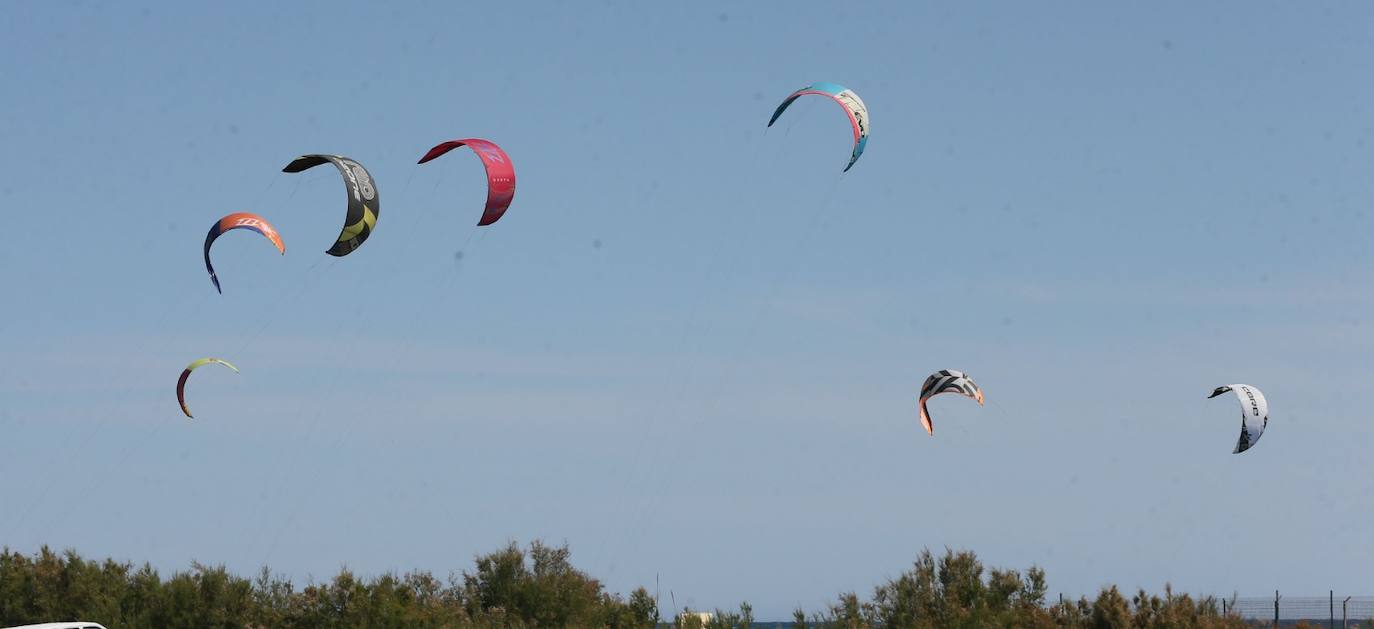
[538, 586]
[511, 587]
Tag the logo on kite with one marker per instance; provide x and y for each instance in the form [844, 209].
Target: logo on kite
[364, 180]
[361, 218]
[492, 154]
[1254, 413]
[239, 220]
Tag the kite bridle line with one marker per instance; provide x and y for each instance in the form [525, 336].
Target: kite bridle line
[319, 410]
[305, 284]
[344, 433]
[806, 109]
[309, 279]
[128, 378]
[728, 370]
[677, 389]
[100, 480]
[180, 312]
[175, 313]
[661, 478]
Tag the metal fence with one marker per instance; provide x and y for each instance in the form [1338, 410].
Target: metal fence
[1287, 611]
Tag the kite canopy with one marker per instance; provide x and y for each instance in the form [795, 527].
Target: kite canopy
[1254, 413]
[500, 174]
[239, 220]
[852, 104]
[363, 202]
[946, 381]
[196, 364]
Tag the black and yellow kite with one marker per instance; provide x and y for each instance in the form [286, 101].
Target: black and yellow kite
[364, 204]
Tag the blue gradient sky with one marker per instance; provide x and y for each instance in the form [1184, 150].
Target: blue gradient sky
[691, 349]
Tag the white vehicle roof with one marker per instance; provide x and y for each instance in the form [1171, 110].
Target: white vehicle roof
[60, 625]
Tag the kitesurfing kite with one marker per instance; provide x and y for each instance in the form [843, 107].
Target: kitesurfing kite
[181, 382]
[500, 174]
[363, 203]
[1254, 413]
[239, 220]
[946, 381]
[852, 104]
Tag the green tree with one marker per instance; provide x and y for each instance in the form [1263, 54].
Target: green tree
[1110, 610]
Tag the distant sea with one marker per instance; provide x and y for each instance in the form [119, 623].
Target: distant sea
[787, 624]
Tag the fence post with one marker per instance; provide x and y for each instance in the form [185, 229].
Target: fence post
[1276, 609]
[1331, 600]
[1344, 605]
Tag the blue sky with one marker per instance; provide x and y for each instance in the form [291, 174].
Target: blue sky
[691, 348]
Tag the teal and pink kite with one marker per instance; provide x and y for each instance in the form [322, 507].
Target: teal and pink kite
[852, 104]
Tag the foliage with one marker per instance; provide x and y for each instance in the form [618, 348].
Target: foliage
[954, 592]
[538, 586]
[509, 588]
